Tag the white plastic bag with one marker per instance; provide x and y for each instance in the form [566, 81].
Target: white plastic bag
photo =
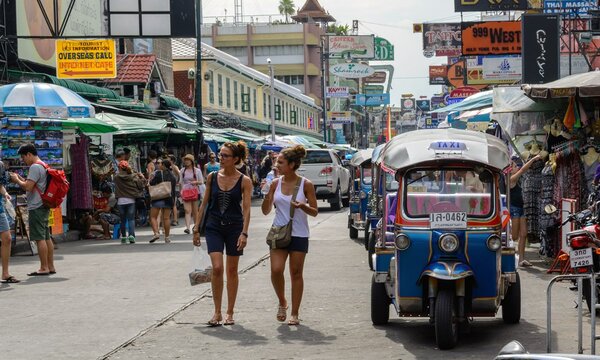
[201, 267]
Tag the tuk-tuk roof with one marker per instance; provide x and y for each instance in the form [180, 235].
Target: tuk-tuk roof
[377, 152]
[361, 156]
[421, 146]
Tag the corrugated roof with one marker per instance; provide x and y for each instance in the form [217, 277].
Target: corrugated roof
[134, 68]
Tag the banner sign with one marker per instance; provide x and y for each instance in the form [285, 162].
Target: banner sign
[407, 104]
[489, 5]
[339, 117]
[384, 50]
[442, 39]
[541, 48]
[352, 47]
[378, 77]
[86, 59]
[372, 100]
[352, 70]
[424, 105]
[438, 74]
[337, 92]
[570, 7]
[491, 38]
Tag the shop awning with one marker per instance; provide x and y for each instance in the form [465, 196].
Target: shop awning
[476, 101]
[89, 125]
[512, 99]
[133, 125]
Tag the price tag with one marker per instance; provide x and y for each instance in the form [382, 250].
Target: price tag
[581, 257]
[448, 220]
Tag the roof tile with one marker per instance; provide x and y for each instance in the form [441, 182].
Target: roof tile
[134, 68]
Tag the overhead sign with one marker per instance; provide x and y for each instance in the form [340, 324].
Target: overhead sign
[437, 102]
[378, 77]
[86, 59]
[372, 99]
[541, 48]
[424, 105]
[352, 47]
[570, 7]
[384, 50]
[463, 92]
[372, 89]
[502, 69]
[353, 71]
[489, 5]
[438, 74]
[339, 117]
[491, 38]
[442, 39]
[337, 92]
[456, 74]
[407, 104]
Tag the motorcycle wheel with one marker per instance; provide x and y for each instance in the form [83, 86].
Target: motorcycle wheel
[446, 323]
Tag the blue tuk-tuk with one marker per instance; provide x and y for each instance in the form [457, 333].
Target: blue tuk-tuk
[445, 258]
[360, 175]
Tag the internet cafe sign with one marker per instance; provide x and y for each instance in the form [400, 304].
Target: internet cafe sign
[353, 71]
[337, 92]
[352, 47]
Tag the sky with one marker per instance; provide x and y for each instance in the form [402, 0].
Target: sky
[390, 19]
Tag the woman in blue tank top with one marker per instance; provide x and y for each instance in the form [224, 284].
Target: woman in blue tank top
[212, 165]
[228, 217]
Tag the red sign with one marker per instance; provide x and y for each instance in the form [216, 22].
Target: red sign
[463, 92]
[438, 74]
[491, 38]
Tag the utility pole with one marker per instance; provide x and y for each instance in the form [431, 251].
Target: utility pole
[272, 102]
[200, 133]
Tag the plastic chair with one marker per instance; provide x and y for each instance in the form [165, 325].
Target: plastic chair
[117, 229]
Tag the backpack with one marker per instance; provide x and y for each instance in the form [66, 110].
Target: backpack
[57, 187]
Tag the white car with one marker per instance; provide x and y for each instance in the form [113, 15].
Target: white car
[332, 181]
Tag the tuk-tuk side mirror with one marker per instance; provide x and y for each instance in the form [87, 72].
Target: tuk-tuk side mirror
[550, 209]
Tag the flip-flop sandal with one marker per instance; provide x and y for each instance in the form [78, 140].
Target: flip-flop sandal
[214, 322]
[52, 272]
[294, 321]
[35, 273]
[156, 237]
[10, 280]
[229, 320]
[281, 313]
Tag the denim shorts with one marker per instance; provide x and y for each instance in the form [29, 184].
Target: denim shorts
[4, 223]
[221, 237]
[516, 212]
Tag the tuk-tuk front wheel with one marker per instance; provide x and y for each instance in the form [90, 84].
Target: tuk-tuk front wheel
[446, 321]
[353, 231]
[511, 305]
[380, 303]
[371, 249]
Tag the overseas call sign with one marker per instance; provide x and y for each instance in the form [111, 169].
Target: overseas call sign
[86, 59]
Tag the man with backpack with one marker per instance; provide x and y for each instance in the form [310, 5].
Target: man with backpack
[35, 187]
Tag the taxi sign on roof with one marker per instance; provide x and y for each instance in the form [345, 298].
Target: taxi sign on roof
[86, 59]
[448, 146]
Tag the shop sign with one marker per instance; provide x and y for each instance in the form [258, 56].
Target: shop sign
[430, 123]
[378, 77]
[438, 74]
[372, 100]
[353, 71]
[570, 7]
[337, 92]
[463, 92]
[352, 47]
[442, 39]
[424, 105]
[339, 117]
[541, 48]
[437, 102]
[86, 59]
[504, 69]
[491, 38]
[384, 50]
[407, 104]
[372, 89]
[489, 5]
[456, 74]
[451, 100]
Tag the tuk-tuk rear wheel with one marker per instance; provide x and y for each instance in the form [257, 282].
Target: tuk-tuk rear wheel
[511, 305]
[366, 238]
[446, 322]
[371, 250]
[380, 303]
[353, 232]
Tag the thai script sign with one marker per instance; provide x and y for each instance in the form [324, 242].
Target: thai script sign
[442, 39]
[86, 59]
[353, 71]
[489, 5]
[491, 38]
[352, 47]
[337, 92]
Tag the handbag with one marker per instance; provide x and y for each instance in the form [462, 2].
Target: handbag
[160, 191]
[202, 227]
[280, 237]
[189, 193]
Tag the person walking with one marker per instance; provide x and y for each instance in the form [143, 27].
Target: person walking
[5, 235]
[128, 187]
[212, 165]
[281, 195]
[517, 214]
[176, 173]
[227, 207]
[164, 206]
[38, 213]
[191, 180]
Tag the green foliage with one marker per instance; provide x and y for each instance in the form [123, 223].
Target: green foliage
[338, 29]
[286, 7]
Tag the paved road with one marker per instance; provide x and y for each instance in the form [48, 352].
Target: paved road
[134, 302]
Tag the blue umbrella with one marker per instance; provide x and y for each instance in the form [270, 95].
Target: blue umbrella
[43, 100]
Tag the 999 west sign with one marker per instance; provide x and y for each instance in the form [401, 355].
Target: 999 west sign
[491, 38]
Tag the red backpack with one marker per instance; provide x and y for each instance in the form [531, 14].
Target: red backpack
[57, 187]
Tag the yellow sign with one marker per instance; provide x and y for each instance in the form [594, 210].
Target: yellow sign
[86, 59]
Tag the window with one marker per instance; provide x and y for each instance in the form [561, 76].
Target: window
[235, 95]
[228, 92]
[282, 50]
[291, 79]
[220, 89]
[211, 88]
[317, 157]
[254, 99]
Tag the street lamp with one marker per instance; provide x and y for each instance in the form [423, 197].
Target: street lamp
[272, 103]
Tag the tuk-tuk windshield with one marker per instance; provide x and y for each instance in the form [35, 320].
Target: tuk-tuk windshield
[390, 183]
[449, 190]
[366, 176]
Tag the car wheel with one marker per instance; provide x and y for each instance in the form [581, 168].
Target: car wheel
[511, 305]
[336, 204]
[380, 303]
[346, 198]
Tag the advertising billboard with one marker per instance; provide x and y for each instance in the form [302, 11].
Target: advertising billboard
[337, 91]
[494, 69]
[438, 74]
[570, 7]
[491, 38]
[424, 105]
[541, 48]
[407, 104]
[372, 99]
[489, 5]
[442, 39]
[352, 47]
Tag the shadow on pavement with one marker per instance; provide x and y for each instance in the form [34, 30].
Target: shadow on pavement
[290, 334]
[237, 333]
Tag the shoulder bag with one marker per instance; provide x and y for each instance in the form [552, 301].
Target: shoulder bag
[189, 192]
[161, 190]
[202, 227]
[280, 237]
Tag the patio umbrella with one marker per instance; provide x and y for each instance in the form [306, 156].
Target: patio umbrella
[43, 100]
[584, 85]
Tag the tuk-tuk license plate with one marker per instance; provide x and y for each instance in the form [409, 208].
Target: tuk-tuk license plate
[448, 220]
[581, 257]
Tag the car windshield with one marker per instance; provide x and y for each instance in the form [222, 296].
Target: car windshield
[366, 176]
[450, 190]
[317, 157]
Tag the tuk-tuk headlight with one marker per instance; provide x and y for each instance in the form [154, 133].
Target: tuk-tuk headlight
[494, 242]
[448, 242]
[401, 241]
[362, 195]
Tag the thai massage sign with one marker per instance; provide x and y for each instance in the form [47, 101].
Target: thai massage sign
[352, 47]
[353, 71]
[491, 38]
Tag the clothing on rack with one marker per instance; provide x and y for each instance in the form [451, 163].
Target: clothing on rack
[570, 178]
[81, 178]
[532, 197]
[547, 221]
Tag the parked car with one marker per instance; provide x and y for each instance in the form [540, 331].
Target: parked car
[332, 181]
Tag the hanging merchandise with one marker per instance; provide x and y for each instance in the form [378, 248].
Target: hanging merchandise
[549, 243]
[569, 119]
[570, 175]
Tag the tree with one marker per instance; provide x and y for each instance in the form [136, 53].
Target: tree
[286, 7]
[338, 29]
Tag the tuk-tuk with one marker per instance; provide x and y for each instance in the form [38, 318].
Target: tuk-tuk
[360, 175]
[446, 259]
